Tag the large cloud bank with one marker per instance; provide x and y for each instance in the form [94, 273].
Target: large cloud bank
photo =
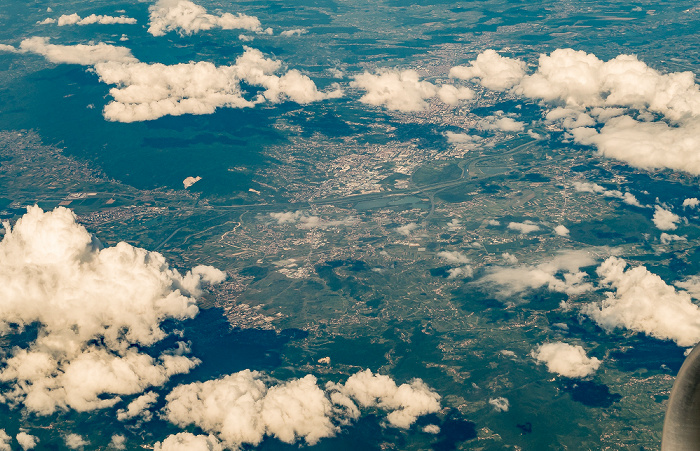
[403, 90]
[187, 18]
[583, 82]
[245, 407]
[149, 91]
[94, 309]
[643, 302]
[566, 360]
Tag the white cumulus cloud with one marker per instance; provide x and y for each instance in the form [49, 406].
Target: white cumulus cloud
[93, 308]
[150, 91]
[566, 360]
[83, 54]
[244, 407]
[75, 19]
[26, 441]
[524, 227]
[500, 404]
[492, 70]
[642, 302]
[664, 219]
[187, 18]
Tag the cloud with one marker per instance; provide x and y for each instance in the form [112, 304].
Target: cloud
[189, 181]
[665, 219]
[692, 202]
[590, 87]
[94, 309]
[566, 360]
[186, 441]
[628, 198]
[666, 238]
[405, 402]
[75, 19]
[500, 404]
[83, 54]
[406, 229]
[561, 230]
[244, 407]
[294, 32]
[505, 124]
[305, 221]
[642, 302]
[462, 271]
[118, 442]
[646, 145]
[524, 227]
[453, 257]
[562, 274]
[493, 71]
[138, 408]
[461, 138]
[150, 91]
[75, 441]
[403, 91]
[26, 441]
[451, 95]
[187, 18]
[5, 441]
[396, 90]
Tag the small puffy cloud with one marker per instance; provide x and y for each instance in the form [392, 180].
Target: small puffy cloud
[500, 404]
[462, 271]
[692, 202]
[505, 124]
[287, 217]
[566, 360]
[395, 90]
[524, 227]
[83, 54]
[493, 71]
[150, 91]
[406, 229]
[453, 257]
[187, 18]
[186, 441]
[139, 408]
[96, 311]
[586, 187]
[561, 274]
[75, 19]
[189, 181]
[75, 441]
[452, 95]
[305, 221]
[642, 302]
[561, 230]
[461, 138]
[294, 32]
[664, 219]
[118, 442]
[509, 258]
[667, 238]
[431, 429]
[26, 441]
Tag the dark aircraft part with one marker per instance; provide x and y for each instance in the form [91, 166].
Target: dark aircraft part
[682, 423]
